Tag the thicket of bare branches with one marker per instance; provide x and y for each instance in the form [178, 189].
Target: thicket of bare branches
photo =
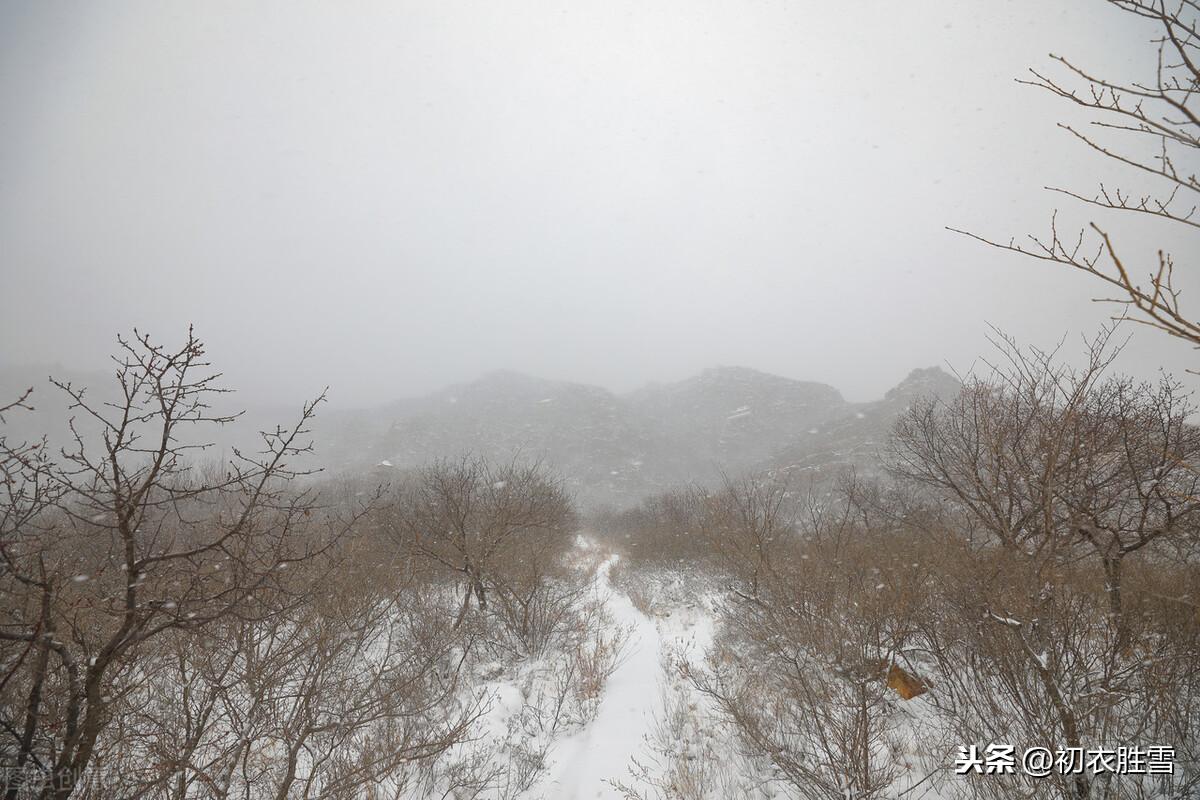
[662, 532]
[818, 610]
[348, 675]
[1084, 494]
[176, 629]
[503, 533]
[1027, 577]
[1058, 464]
[118, 541]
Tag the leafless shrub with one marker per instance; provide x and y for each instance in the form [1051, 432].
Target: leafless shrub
[594, 661]
[538, 597]
[503, 533]
[662, 532]
[801, 668]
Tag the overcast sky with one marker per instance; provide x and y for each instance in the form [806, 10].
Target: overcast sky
[390, 197]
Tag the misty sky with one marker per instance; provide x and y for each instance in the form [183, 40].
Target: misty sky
[390, 197]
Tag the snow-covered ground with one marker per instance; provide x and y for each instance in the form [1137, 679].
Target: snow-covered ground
[582, 765]
[540, 737]
[650, 733]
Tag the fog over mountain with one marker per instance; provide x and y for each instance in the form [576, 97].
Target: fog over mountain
[618, 448]
[409, 195]
[610, 448]
[613, 399]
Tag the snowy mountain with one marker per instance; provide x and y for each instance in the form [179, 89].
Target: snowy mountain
[615, 449]
[585, 432]
[611, 449]
[733, 417]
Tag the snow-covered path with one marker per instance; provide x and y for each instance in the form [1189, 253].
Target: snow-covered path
[583, 763]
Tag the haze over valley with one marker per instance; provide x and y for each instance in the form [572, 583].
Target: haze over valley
[650, 400]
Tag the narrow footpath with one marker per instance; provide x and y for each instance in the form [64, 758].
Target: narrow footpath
[583, 764]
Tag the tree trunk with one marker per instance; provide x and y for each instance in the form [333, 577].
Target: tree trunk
[1116, 603]
[480, 592]
[33, 707]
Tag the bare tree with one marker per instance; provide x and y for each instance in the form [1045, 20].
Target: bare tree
[119, 541]
[470, 517]
[1055, 462]
[1153, 129]
[1075, 479]
[745, 522]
